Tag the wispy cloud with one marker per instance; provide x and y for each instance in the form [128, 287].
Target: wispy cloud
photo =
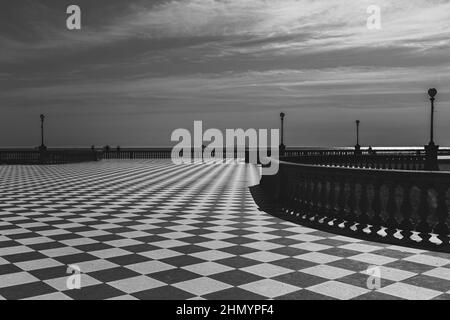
[220, 58]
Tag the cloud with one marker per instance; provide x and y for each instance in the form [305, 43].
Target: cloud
[225, 58]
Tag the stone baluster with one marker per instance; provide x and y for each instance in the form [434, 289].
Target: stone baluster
[441, 227]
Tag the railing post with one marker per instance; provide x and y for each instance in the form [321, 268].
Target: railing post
[423, 226]
[441, 227]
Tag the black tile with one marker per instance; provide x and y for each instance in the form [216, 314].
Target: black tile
[75, 258]
[174, 276]
[9, 268]
[113, 274]
[182, 261]
[233, 294]
[304, 295]
[425, 281]
[163, 293]
[293, 263]
[26, 290]
[93, 247]
[128, 259]
[50, 273]
[299, 279]
[27, 256]
[409, 266]
[96, 292]
[236, 277]
[238, 250]
[238, 262]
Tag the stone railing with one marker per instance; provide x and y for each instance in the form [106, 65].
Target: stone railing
[402, 159]
[394, 206]
[165, 153]
[50, 156]
[378, 161]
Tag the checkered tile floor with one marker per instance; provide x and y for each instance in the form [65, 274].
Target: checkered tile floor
[153, 230]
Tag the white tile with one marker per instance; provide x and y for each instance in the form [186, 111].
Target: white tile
[410, 292]
[149, 267]
[442, 273]
[202, 286]
[168, 244]
[14, 250]
[123, 243]
[264, 256]
[338, 290]
[136, 284]
[266, 270]
[207, 268]
[406, 249]
[318, 257]
[269, 288]
[346, 239]
[361, 247]
[124, 297]
[310, 246]
[78, 242]
[160, 254]
[428, 260]
[51, 296]
[212, 255]
[374, 259]
[215, 244]
[305, 237]
[95, 265]
[38, 264]
[60, 252]
[109, 253]
[263, 245]
[394, 274]
[327, 272]
[14, 279]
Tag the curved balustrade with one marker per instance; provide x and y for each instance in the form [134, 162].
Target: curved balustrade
[401, 207]
[379, 161]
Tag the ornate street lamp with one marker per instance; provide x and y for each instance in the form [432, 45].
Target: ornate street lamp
[357, 146]
[432, 93]
[282, 146]
[431, 150]
[42, 147]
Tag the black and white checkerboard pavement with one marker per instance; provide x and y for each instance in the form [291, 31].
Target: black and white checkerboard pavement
[153, 230]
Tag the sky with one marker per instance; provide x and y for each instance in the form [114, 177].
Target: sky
[137, 70]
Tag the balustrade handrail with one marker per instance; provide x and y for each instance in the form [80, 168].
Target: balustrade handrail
[395, 206]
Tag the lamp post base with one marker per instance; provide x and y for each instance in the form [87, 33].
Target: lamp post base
[431, 157]
[358, 150]
[282, 150]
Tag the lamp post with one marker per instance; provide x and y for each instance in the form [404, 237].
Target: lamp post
[282, 146]
[431, 150]
[357, 146]
[42, 146]
[432, 93]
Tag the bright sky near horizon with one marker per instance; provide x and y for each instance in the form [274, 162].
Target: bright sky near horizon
[138, 69]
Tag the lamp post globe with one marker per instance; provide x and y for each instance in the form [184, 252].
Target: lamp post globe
[432, 92]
